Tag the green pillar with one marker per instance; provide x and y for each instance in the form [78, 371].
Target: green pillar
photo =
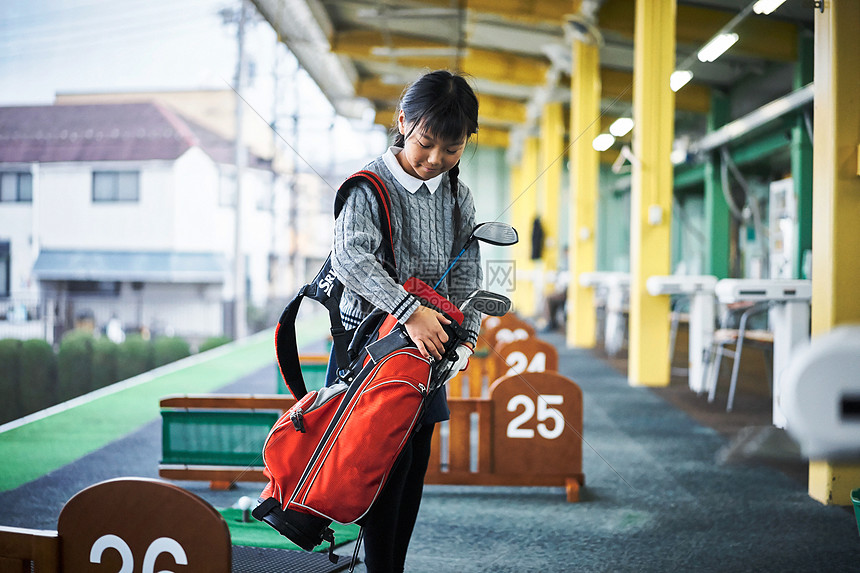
[801, 155]
[716, 209]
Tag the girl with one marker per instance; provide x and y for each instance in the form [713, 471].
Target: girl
[432, 214]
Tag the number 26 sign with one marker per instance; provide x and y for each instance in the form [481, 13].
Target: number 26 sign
[137, 525]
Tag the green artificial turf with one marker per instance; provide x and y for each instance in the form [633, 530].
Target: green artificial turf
[44, 445]
[258, 534]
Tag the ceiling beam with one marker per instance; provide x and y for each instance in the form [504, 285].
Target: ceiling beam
[619, 84]
[493, 137]
[759, 36]
[375, 89]
[492, 111]
[541, 12]
[492, 65]
[501, 110]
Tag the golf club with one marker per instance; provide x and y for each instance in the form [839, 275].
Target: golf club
[487, 302]
[493, 232]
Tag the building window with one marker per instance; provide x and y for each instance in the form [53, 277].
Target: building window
[227, 189]
[96, 288]
[5, 269]
[16, 187]
[112, 186]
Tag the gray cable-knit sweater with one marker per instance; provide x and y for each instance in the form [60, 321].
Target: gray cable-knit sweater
[426, 239]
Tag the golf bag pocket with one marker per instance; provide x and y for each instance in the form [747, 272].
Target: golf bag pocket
[330, 455]
[366, 440]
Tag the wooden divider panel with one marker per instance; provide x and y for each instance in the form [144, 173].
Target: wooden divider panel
[508, 332]
[537, 429]
[519, 356]
[483, 368]
[529, 432]
[24, 550]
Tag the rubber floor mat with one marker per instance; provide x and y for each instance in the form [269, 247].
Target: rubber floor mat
[264, 560]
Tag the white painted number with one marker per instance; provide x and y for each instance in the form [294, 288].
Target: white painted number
[156, 548]
[519, 363]
[544, 412]
[508, 335]
[163, 545]
[514, 429]
[113, 542]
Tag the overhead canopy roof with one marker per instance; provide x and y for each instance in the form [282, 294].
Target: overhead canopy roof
[130, 266]
[363, 52]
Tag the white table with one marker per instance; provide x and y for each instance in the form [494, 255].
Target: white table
[788, 316]
[700, 290]
[616, 285]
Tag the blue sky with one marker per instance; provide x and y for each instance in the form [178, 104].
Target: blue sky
[95, 45]
[74, 46]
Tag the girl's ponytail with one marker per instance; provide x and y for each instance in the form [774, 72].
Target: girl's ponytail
[453, 176]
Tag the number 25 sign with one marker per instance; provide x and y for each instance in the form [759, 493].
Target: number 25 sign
[537, 425]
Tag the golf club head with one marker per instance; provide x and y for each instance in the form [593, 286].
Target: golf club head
[487, 302]
[495, 233]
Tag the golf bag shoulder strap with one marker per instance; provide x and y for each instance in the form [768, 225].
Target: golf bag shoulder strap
[327, 290]
[384, 201]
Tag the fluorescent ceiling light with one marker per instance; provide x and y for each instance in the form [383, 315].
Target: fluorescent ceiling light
[766, 6]
[621, 126]
[416, 52]
[716, 47]
[679, 79]
[603, 142]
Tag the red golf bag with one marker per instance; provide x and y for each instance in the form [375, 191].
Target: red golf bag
[330, 455]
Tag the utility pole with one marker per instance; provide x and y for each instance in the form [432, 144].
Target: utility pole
[293, 217]
[240, 325]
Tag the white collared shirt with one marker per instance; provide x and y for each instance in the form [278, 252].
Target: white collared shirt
[412, 184]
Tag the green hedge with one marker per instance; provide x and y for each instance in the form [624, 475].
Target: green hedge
[10, 379]
[75, 365]
[105, 362]
[169, 349]
[136, 356]
[38, 389]
[34, 377]
[214, 342]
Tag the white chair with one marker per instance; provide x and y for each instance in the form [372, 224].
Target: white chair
[725, 337]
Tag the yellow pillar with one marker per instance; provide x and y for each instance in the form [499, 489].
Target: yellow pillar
[651, 198]
[551, 150]
[524, 209]
[585, 89]
[835, 203]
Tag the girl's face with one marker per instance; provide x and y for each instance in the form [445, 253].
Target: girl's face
[424, 156]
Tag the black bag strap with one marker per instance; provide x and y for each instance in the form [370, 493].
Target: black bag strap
[327, 289]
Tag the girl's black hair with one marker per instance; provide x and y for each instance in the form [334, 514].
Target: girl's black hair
[445, 106]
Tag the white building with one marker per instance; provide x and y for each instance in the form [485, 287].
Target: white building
[126, 210]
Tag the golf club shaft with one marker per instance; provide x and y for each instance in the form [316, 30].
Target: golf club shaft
[454, 262]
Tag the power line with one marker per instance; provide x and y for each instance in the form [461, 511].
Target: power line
[44, 51]
[91, 29]
[39, 21]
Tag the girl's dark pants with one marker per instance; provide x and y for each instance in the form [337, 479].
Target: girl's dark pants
[388, 526]
[389, 523]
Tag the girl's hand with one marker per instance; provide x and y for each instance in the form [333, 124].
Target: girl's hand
[424, 327]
